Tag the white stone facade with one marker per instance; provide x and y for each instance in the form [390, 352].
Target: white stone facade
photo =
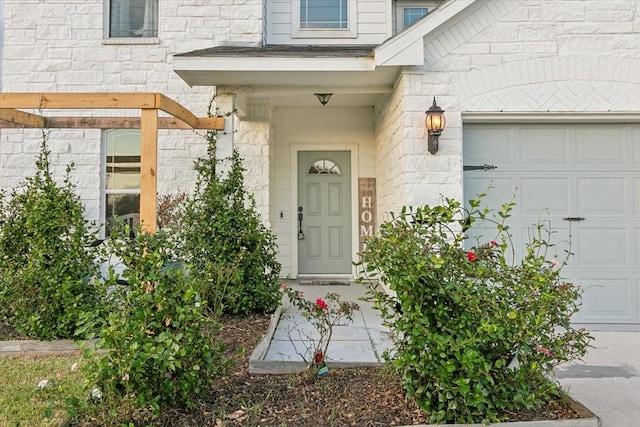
[494, 58]
[519, 56]
[61, 47]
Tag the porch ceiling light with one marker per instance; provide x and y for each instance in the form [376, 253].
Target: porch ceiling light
[435, 123]
[323, 97]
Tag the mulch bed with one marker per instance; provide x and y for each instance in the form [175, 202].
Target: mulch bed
[345, 397]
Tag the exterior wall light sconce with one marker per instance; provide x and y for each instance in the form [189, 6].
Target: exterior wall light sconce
[435, 123]
[323, 97]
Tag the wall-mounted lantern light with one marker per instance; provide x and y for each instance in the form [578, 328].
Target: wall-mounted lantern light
[435, 123]
[323, 97]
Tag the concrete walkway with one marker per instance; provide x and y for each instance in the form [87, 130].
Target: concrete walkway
[360, 343]
[608, 380]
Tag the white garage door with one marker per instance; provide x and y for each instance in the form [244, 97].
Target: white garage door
[585, 181]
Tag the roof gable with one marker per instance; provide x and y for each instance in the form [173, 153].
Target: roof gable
[407, 47]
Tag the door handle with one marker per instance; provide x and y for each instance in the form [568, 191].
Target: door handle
[300, 217]
[574, 218]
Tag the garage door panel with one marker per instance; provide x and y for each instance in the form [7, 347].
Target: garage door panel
[635, 145]
[540, 146]
[495, 196]
[601, 197]
[602, 247]
[605, 300]
[489, 145]
[636, 197]
[590, 141]
[535, 195]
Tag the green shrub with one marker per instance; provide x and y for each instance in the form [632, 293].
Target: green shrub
[46, 259]
[230, 249]
[161, 341]
[475, 334]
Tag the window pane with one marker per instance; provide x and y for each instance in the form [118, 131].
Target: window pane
[122, 207]
[323, 14]
[133, 18]
[324, 167]
[123, 159]
[412, 14]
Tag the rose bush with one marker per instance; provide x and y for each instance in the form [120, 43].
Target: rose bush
[323, 314]
[475, 334]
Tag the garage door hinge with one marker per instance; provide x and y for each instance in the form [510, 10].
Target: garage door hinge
[483, 168]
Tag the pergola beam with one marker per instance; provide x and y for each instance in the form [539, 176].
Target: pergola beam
[149, 122]
[75, 122]
[18, 118]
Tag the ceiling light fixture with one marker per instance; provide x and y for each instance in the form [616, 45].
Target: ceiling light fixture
[323, 97]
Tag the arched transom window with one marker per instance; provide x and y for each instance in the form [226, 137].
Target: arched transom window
[324, 167]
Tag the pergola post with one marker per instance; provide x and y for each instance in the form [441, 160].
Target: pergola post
[148, 169]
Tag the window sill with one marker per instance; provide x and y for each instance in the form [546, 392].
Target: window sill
[324, 34]
[131, 40]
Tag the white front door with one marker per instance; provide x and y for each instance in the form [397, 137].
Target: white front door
[324, 212]
[585, 180]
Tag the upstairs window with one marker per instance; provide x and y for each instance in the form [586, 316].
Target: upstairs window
[330, 14]
[133, 18]
[412, 14]
[408, 12]
[324, 19]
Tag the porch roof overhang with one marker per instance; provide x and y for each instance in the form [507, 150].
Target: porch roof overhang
[291, 74]
[279, 71]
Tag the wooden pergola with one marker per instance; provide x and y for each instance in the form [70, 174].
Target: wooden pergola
[149, 104]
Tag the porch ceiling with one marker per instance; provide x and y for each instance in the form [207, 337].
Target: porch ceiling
[290, 75]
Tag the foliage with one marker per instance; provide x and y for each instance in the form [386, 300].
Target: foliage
[225, 239]
[323, 314]
[475, 334]
[169, 208]
[46, 259]
[162, 350]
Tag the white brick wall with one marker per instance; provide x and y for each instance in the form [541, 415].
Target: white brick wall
[516, 56]
[59, 47]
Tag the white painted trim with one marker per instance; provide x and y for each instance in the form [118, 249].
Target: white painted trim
[392, 52]
[222, 63]
[353, 149]
[551, 117]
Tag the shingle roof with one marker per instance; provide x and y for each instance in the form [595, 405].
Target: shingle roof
[285, 51]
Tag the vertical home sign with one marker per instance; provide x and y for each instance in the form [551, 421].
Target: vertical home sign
[366, 209]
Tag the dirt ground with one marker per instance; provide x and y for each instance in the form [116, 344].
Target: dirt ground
[345, 397]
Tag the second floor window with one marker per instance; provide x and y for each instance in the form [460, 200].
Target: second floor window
[133, 18]
[324, 14]
[412, 14]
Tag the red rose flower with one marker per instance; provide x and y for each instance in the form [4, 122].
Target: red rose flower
[471, 256]
[321, 304]
[494, 243]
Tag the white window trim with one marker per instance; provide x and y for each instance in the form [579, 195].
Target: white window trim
[318, 33]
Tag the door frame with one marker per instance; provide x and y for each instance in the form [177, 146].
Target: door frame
[294, 150]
